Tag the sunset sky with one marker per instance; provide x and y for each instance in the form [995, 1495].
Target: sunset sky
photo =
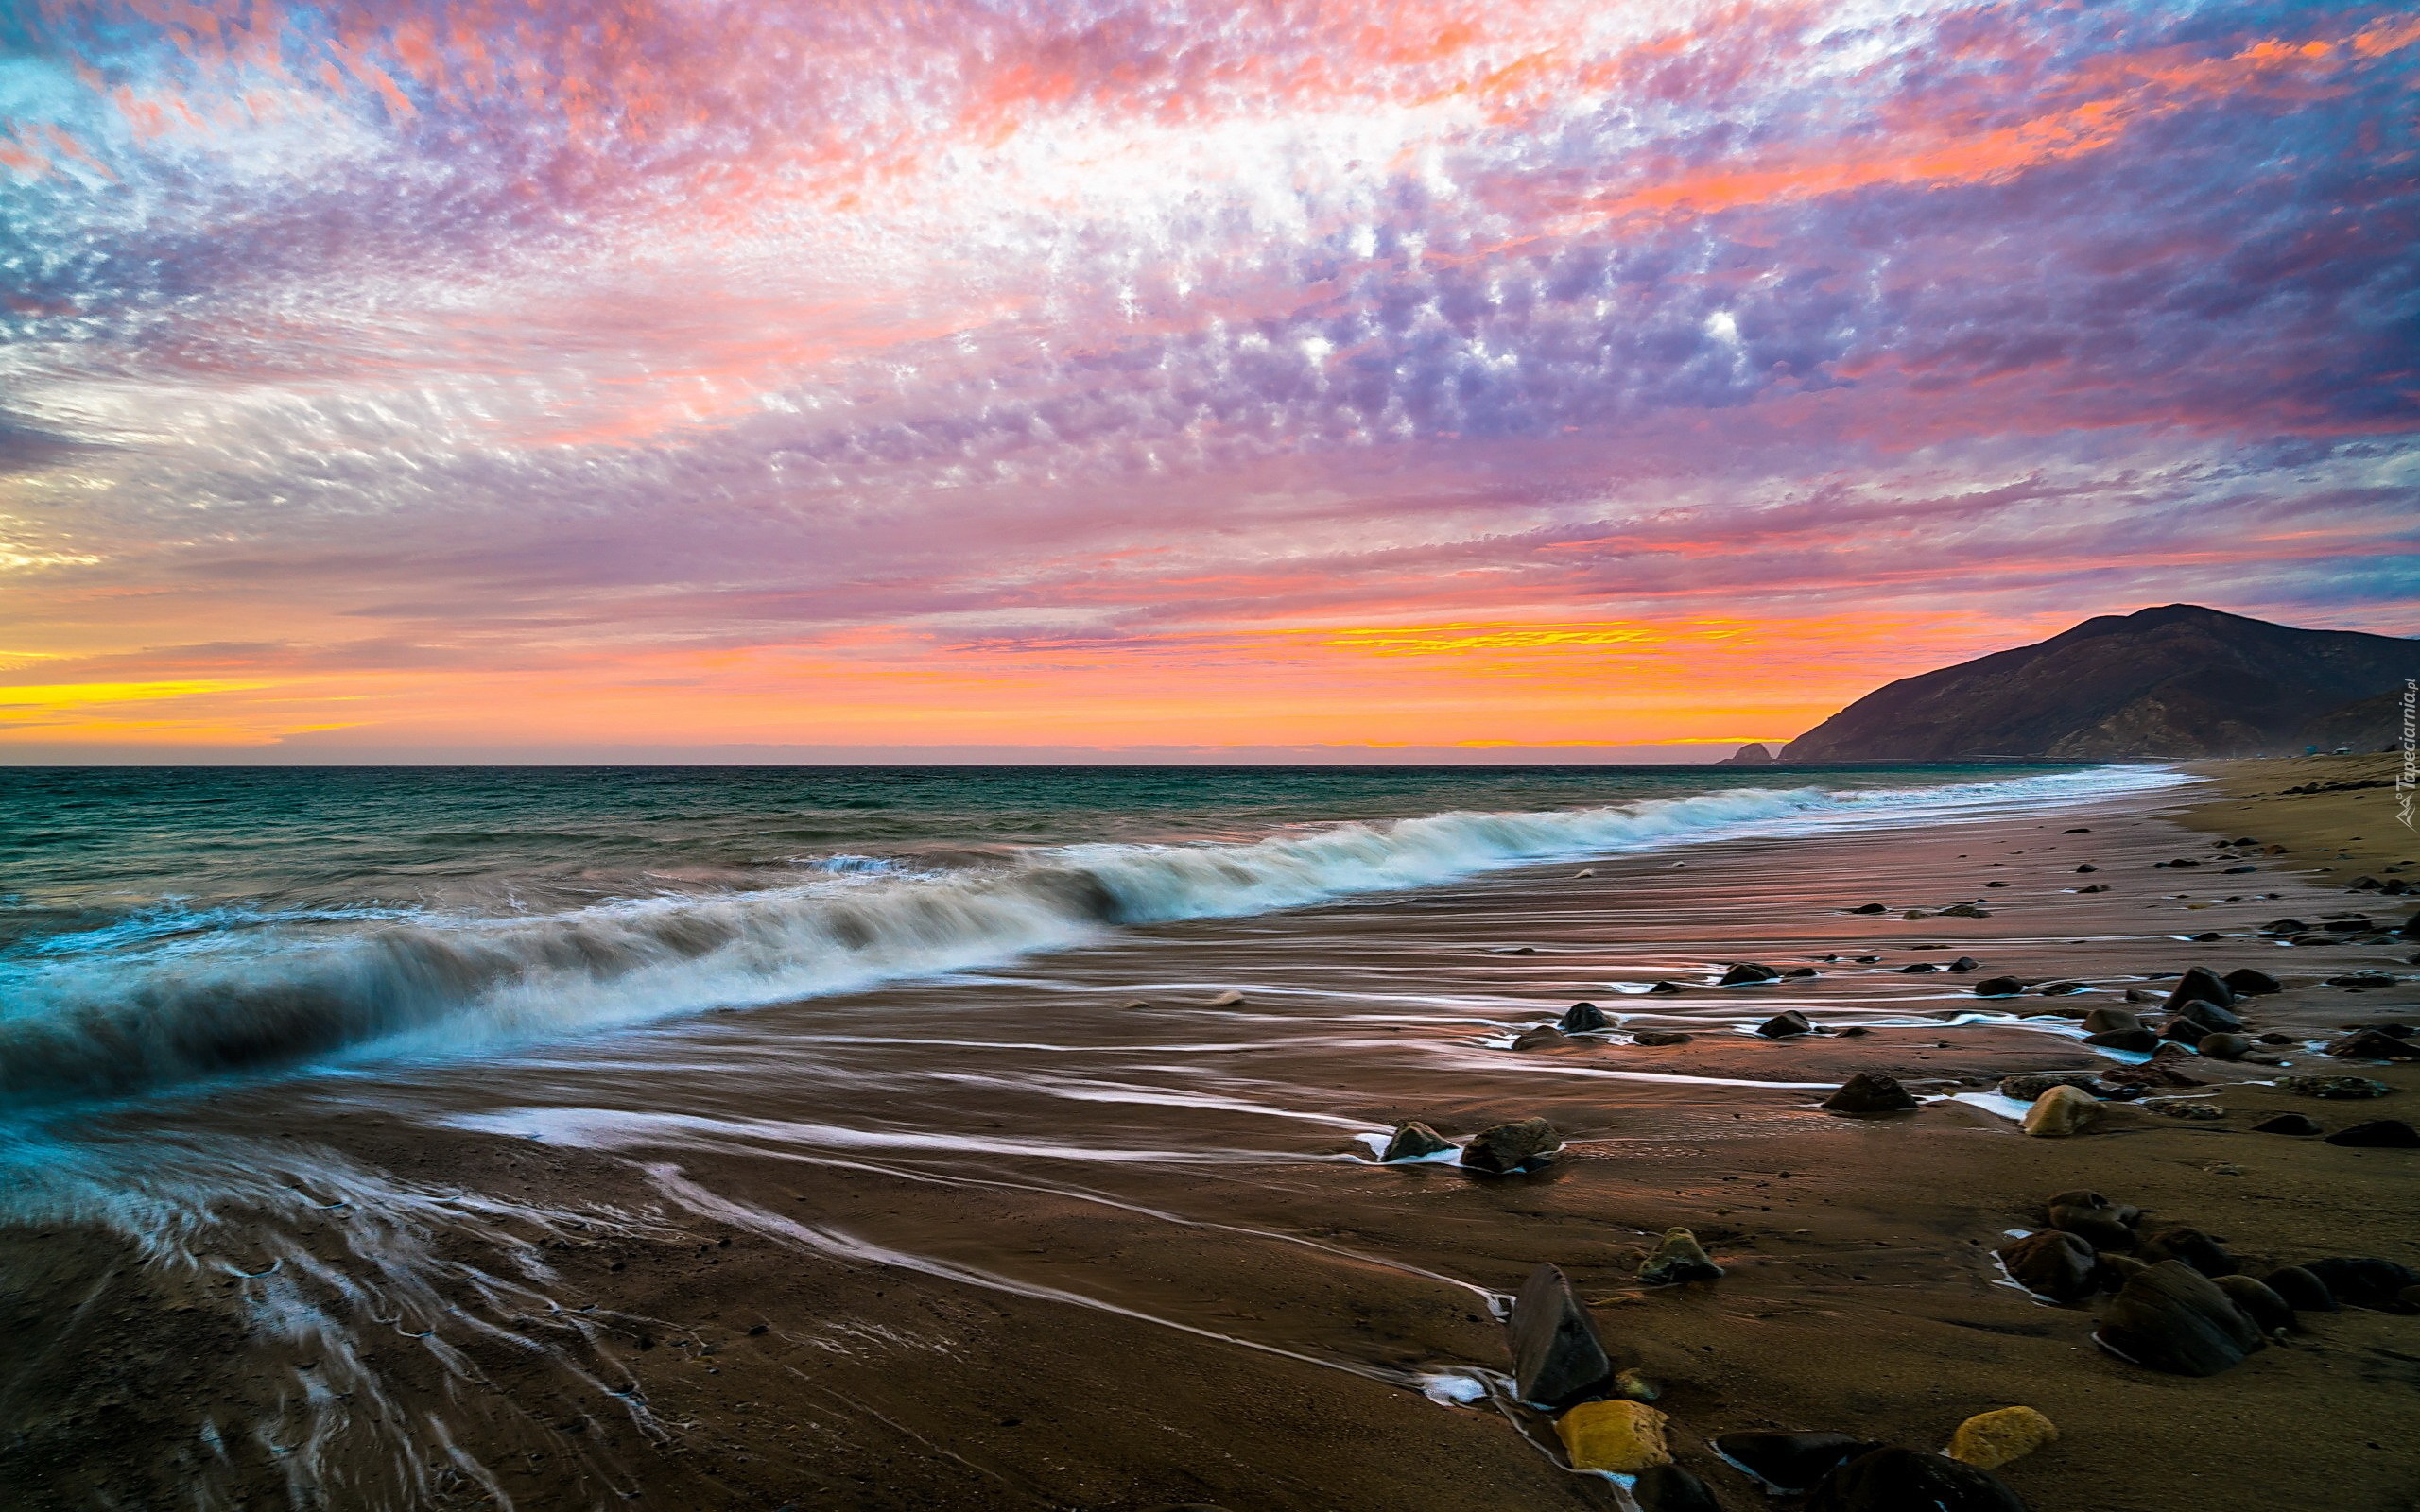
[481, 380]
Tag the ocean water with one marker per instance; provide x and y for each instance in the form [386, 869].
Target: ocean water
[169, 928]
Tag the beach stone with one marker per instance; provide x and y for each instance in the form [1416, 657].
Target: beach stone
[1678, 1259]
[2137, 1039]
[2135, 994]
[2088, 867]
[2301, 1125]
[2101, 1228]
[1507, 1147]
[2267, 1310]
[1902, 1480]
[1965, 963]
[2084, 1199]
[2096, 887]
[2250, 982]
[2027, 1086]
[1660, 1037]
[2225, 1046]
[1663, 990]
[1801, 972]
[1622, 1437]
[2052, 1264]
[1784, 1025]
[1790, 1462]
[1583, 1018]
[1998, 986]
[2373, 1044]
[1228, 1000]
[2300, 1290]
[1414, 1139]
[1991, 1439]
[2102, 1021]
[1546, 1037]
[1870, 1092]
[2117, 1270]
[2173, 1318]
[1557, 1357]
[1965, 911]
[1670, 1489]
[2366, 1282]
[1634, 1386]
[2362, 979]
[2192, 1246]
[2379, 1134]
[2158, 1071]
[1918, 968]
[1855, 1031]
[2212, 1018]
[2060, 1112]
[1868, 908]
[2199, 983]
[1747, 974]
[2062, 990]
[2335, 1088]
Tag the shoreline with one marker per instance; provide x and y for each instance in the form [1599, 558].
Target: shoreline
[1047, 1289]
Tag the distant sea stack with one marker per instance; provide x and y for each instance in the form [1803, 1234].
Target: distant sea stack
[2165, 684]
[1754, 753]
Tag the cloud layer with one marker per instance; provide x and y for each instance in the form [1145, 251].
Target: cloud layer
[1147, 374]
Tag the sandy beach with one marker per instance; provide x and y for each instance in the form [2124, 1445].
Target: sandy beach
[1073, 1233]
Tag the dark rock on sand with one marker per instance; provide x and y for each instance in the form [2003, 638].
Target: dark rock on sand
[1509, 1147]
[1678, 1259]
[2366, 1282]
[2335, 1088]
[2373, 1044]
[2301, 1125]
[2300, 1290]
[1903, 1480]
[2362, 979]
[2052, 1264]
[2027, 1086]
[1790, 1462]
[2103, 1229]
[2379, 1134]
[1663, 990]
[2172, 1318]
[1414, 1139]
[1855, 1031]
[1998, 986]
[2117, 1270]
[2223, 1046]
[1670, 1489]
[1868, 908]
[1800, 971]
[1582, 1018]
[1660, 1037]
[2193, 1247]
[2088, 867]
[2061, 990]
[2267, 1310]
[1870, 1092]
[1965, 963]
[2210, 1016]
[1784, 1025]
[1546, 1037]
[1747, 974]
[2136, 1040]
[1557, 1357]
[1918, 968]
[2249, 982]
[2200, 983]
[2104, 1020]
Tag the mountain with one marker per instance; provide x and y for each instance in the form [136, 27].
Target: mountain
[2175, 682]
[1754, 753]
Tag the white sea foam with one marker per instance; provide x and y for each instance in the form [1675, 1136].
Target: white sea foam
[144, 1012]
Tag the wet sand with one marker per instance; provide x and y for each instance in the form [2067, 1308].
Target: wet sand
[1004, 1241]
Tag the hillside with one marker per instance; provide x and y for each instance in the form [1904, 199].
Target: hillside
[2169, 682]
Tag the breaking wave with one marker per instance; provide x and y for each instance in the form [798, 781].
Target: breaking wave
[127, 1010]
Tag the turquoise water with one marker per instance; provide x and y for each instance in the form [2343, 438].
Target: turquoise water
[166, 926]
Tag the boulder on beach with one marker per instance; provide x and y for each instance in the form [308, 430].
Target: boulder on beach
[2173, 1318]
[1228, 1000]
[1583, 1018]
[1670, 1489]
[1991, 1439]
[2137, 1040]
[2192, 1246]
[2060, 1112]
[1544, 1036]
[2200, 983]
[1660, 1036]
[2103, 1020]
[1508, 1147]
[1623, 1437]
[2334, 1089]
[1902, 1480]
[1663, 990]
[1785, 1025]
[2300, 1290]
[1870, 1092]
[2052, 1264]
[1965, 963]
[2379, 1134]
[1790, 1462]
[2258, 1303]
[2223, 1046]
[1414, 1139]
[2210, 1016]
[2363, 1282]
[1557, 1357]
[1679, 1258]
[2373, 1044]
[2101, 1228]
[1998, 986]
[2027, 1086]
[1747, 974]
[1800, 973]
[2300, 1125]
[1868, 908]
[2250, 982]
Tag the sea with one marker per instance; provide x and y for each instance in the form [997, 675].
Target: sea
[164, 931]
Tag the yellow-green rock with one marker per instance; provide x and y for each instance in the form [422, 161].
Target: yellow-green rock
[1991, 1439]
[1621, 1436]
[2062, 1111]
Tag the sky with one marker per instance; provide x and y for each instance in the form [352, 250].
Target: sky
[466, 380]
